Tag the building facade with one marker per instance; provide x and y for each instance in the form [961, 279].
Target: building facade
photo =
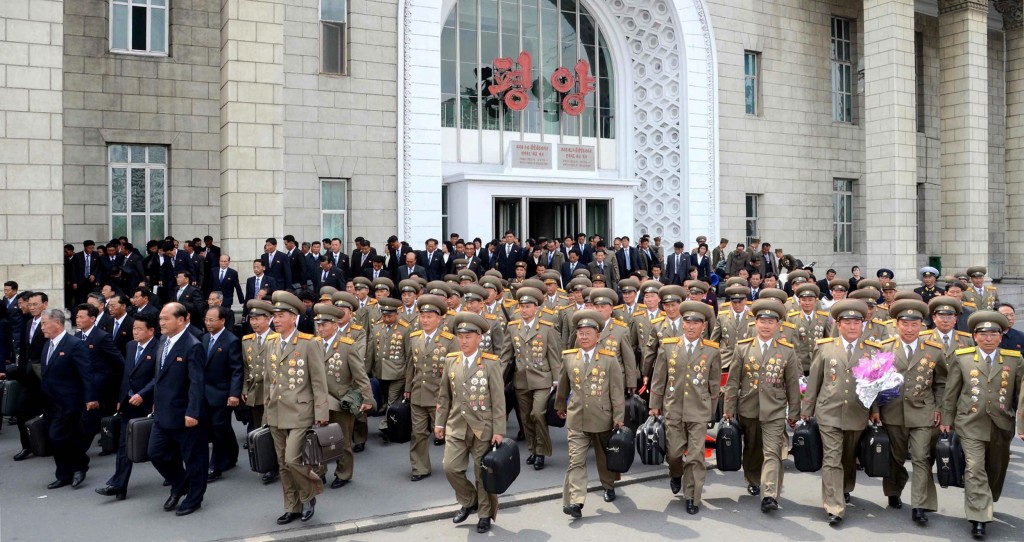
[878, 133]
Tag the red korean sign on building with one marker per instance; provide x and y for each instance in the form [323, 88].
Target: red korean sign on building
[514, 78]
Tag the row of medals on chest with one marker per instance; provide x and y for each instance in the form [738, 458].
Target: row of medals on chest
[1004, 384]
[699, 369]
[296, 369]
[477, 387]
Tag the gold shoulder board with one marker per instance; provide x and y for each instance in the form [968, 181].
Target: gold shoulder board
[514, 323]
[744, 341]
[249, 336]
[968, 350]
[670, 340]
[933, 343]
[963, 334]
[453, 354]
[789, 325]
[545, 322]
[347, 340]
[357, 327]
[823, 341]
[447, 335]
[1011, 353]
[793, 313]
[306, 336]
[606, 352]
[416, 333]
[823, 313]
[925, 332]
[403, 323]
[710, 343]
[658, 319]
[488, 355]
[785, 343]
[490, 316]
[570, 351]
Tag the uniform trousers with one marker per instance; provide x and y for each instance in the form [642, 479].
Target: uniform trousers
[985, 473]
[687, 437]
[918, 441]
[533, 407]
[300, 484]
[456, 462]
[753, 450]
[839, 466]
[773, 444]
[422, 432]
[574, 490]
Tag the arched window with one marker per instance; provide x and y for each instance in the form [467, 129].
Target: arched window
[556, 34]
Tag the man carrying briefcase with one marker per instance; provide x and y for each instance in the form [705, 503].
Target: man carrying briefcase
[470, 417]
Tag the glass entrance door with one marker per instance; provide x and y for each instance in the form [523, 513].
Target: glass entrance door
[508, 216]
[553, 218]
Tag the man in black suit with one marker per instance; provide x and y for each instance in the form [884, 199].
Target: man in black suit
[341, 262]
[473, 262]
[327, 276]
[411, 268]
[132, 271]
[571, 265]
[223, 381]
[142, 303]
[377, 269]
[628, 258]
[677, 265]
[31, 402]
[179, 259]
[86, 271]
[109, 264]
[198, 264]
[178, 444]
[362, 259]
[508, 253]
[432, 261]
[224, 279]
[276, 264]
[106, 362]
[311, 255]
[826, 291]
[135, 398]
[259, 281]
[69, 389]
[13, 322]
[120, 323]
[212, 252]
[69, 275]
[214, 300]
[296, 262]
[393, 255]
[190, 296]
[647, 254]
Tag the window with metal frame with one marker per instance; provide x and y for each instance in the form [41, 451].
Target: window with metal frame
[752, 211]
[334, 37]
[138, 192]
[842, 221]
[139, 26]
[842, 70]
[752, 82]
[334, 209]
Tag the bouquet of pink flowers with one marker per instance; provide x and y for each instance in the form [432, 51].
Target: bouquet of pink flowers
[877, 378]
[803, 386]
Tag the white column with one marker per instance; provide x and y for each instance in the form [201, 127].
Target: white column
[1013, 26]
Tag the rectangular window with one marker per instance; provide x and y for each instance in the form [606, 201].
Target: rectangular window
[334, 209]
[842, 70]
[842, 221]
[334, 37]
[922, 223]
[919, 76]
[139, 26]
[444, 210]
[138, 192]
[752, 212]
[752, 82]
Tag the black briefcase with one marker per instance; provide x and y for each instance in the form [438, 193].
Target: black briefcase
[729, 446]
[110, 433]
[243, 413]
[636, 412]
[500, 467]
[950, 462]
[136, 441]
[621, 450]
[10, 394]
[874, 453]
[322, 444]
[552, 415]
[808, 454]
[399, 428]
[262, 455]
[38, 430]
[650, 441]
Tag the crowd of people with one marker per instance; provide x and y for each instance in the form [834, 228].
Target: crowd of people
[469, 332]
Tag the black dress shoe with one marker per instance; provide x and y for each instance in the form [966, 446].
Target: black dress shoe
[270, 477]
[22, 455]
[834, 520]
[574, 510]
[338, 483]
[359, 447]
[483, 525]
[538, 464]
[768, 504]
[172, 502]
[462, 514]
[918, 515]
[529, 460]
[186, 510]
[520, 435]
[978, 530]
[110, 491]
[58, 483]
[609, 495]
[288, 517]
[675, 484]
[214, 475]
[691, 508]
[754, 490]
[307, 509]
[895, 502]
[418, 477]
[77, 479]
[846, 497]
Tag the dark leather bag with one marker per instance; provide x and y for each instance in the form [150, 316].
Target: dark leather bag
[399, 428]
[110, 433]
[874, 453]
[729, 446]
[950, 462]
[621, 450]
[552, 415]
[322, 444]
[650, 441]
[808, 453]
[262, 455]
[38, 430]
[636, 412]
[500, 467]
[137, 439]
[10, 395]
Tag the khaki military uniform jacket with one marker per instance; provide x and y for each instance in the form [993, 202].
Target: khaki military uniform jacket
[296, 395]
[876, 329]
[661, 328]
[256, 358]
[345, 370]
[385, 352]
[958, 340]
[807, 333]
[979, 395]
[561, 300]
[882, 312]
[496, 340]
[592, 395]
[615, 338]
[640, 328]
[368, 314]
[985, 301]
[425, 365]
[537, 356]
[730, 330]
[565, 325]
[411, 321]
[924, 384]
[764, 384]
[686, 387]
[624, 313]
[473, 398]
[831, 394]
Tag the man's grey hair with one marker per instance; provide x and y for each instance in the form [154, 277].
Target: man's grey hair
[218, 294]
[98, 297]
[56, 315]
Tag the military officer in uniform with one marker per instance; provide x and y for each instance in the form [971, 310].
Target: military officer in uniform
[385, 355]
[349, 327]
[928, 289]
[945, 313]
[367, 311]
[731, 324]
[295, 398]
[538, 367]
[425, 350]
[615, 335]
[685, 386]
[591, 400]
[811, 324]
[831, 397]
[669, 324]
[494, 338]
[410, 291]
[911, 419]
[764, 381]
[470, 417]
[256, 353]
[575, 288]
[347, 383]
[956, 288]
[982, 385]
[984, 297]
